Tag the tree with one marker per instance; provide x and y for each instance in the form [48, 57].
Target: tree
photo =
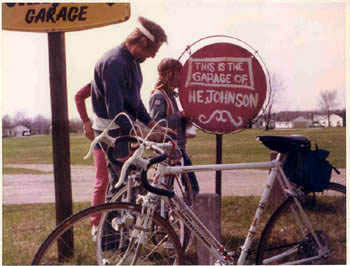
[7, 125]
[7, 122]
[21, 119]
[75, 125]
[277, 88]
[328, 102]
[41, 125]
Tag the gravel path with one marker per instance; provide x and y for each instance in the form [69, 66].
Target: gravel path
[31, 188]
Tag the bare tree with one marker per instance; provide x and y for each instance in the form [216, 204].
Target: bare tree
[328, 103]
[7, 125]
[21, 119]
[41, 125]
[75, 125]
[7, 122]
[277, 88]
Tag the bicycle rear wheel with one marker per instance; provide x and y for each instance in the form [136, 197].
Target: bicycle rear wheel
[282, 235]
[166, 250]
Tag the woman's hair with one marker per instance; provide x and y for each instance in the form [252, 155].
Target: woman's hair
[164, 67]
[168, 64]
[156, 30]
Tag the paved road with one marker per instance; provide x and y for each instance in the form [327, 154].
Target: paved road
[29, 188]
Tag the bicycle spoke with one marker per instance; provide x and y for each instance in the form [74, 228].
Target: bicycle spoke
[116, 246]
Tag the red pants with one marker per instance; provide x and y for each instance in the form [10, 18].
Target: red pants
[99, 195]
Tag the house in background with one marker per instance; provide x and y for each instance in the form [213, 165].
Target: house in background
[7, 132]
[301, 122]
[19, 131]
[274, 124]
[288, 120]
[282, 124]
[258, 123]
[335, 120]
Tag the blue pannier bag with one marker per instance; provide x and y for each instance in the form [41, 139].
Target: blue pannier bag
[309, 168]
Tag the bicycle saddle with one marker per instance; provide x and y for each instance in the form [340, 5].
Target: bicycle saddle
[285, 144]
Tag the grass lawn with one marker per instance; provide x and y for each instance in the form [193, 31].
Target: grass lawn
[243, 147]
[239, 147]
[26, 226]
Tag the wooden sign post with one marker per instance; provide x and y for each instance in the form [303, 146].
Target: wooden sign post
[218, 174]
[223, 86]
[55, 19]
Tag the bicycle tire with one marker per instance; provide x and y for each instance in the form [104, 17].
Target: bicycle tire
[281, 234]
[85, 248]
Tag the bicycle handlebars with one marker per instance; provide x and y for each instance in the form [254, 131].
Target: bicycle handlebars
[117, 141]
[103, 137]
[148, 186]
[136, 158]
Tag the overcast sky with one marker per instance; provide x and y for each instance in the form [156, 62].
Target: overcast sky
[302, 42]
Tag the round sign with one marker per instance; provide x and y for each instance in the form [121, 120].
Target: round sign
[222, 88]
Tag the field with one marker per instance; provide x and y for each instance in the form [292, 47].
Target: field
[238, 147]
[25, 226]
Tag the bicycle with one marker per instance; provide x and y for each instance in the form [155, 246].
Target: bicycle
[145, 237]
[132, 187]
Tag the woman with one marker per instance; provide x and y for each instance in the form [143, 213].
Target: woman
[163, 106]
[101, 183]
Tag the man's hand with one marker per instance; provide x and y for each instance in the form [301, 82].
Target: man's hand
[161, 129]
[88, 131]
[164, 130]
[159, 132]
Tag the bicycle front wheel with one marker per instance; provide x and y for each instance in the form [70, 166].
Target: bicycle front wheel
[286, 240]
[165, 251]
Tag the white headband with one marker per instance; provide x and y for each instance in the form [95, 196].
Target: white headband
[146, 32]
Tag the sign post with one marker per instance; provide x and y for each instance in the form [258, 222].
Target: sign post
[60, 137]
[55, 19]
[223, 87]
[218, 161]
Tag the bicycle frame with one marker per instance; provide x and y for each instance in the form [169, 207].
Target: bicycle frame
[215, 248]
[190, 220]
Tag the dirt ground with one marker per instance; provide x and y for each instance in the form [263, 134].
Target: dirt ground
[29, 188]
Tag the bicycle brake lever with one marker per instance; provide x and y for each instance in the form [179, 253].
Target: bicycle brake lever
[103, 137]
[135, 159]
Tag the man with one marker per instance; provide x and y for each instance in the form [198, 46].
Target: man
[117, 83]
